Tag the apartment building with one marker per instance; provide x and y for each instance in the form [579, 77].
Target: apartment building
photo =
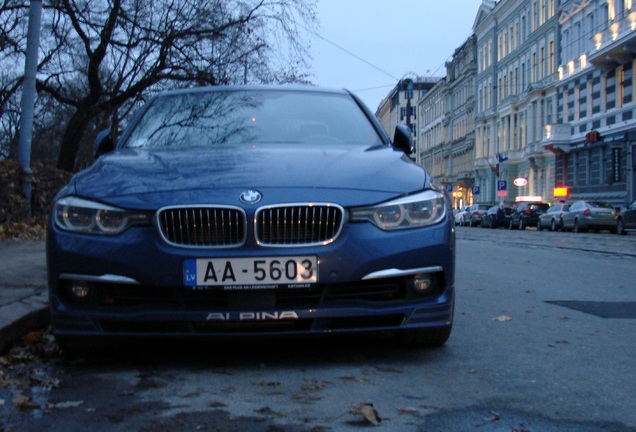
[447, 127]
[517, 60]
[400, 106]
[593, 136]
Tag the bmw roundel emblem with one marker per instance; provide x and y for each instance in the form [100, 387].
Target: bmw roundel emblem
[250, 196]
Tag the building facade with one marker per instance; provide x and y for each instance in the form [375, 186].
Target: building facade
[400, 106]
[517, 58]
[447, 126]
[594, 135]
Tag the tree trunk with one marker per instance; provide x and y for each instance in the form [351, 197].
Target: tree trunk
[72, 138]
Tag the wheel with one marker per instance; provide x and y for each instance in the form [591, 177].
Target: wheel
[435, 337]
[577, 227]
[522, 225]
[553, 225]
[511, 225]
[539, 226]
[620, 227]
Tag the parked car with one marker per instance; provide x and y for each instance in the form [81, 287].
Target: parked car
[590, 215]
[251, 211]
[526, 214]
[475, 213]
[496, 216]
[553, 218]
[460, 216]
[626, 219]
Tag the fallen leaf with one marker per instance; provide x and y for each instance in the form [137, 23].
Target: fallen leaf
[389, 369]
[408, 410]
[503, 318]
[32, 337]
[67, 404]
[495, 417]
[270, 412]
[24, 403]
[368, 412]
[268, 383]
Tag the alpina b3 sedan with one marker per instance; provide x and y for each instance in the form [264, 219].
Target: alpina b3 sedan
[250, 212]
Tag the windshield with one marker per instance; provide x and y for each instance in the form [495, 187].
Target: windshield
[235, 117]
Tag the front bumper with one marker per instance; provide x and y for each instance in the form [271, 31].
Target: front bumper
[136, 286]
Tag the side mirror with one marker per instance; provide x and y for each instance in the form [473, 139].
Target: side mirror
[103, 144]
[402, 139]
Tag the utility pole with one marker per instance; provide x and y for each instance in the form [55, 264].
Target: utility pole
[28, 99]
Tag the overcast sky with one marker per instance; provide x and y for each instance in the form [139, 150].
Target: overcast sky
[392, 37]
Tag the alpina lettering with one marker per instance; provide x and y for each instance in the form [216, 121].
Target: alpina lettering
[252, 316]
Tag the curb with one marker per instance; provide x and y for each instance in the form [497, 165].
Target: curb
[19, 318]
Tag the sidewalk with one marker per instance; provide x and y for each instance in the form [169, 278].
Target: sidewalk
[23, 293]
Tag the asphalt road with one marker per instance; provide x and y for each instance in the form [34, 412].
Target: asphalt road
[543, 341]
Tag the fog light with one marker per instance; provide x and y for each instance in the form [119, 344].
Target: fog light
[422, 283]
[79, 290]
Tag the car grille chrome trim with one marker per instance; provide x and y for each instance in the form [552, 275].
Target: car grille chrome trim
[298, 225]
[203, 226]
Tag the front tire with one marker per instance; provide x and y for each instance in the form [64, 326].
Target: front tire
[620, 227]
[577, 227]
[553, 225]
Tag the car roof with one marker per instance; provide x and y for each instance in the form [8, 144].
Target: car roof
[255, 88]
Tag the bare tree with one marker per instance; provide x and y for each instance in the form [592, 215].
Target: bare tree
[105, 56]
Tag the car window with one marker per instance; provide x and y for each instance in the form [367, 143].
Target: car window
[597, 204]
[239, 117]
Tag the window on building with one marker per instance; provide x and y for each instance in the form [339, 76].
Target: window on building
[534, 67]
[542, 64]
[500, 47]
[523, 29]
[551, 58]
[551, 8]
[542, 12]
[523, 77]
[620, 84]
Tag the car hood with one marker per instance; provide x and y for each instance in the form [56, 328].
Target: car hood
[147, 179]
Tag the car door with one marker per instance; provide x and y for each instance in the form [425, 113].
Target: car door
[629, 218]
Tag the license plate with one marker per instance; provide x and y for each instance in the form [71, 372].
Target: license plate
[251, 272]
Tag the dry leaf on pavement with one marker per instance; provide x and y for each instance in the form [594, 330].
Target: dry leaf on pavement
[368, 412]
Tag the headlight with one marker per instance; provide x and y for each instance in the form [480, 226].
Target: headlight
[82, 216]
[414, 211]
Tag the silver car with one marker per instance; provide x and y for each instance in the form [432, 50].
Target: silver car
[589, 215]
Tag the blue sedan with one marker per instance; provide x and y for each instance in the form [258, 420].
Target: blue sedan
[252, 211]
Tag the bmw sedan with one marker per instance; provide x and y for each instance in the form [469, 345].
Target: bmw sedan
[249, 212]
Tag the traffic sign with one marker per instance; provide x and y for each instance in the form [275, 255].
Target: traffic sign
[475, 190]
[502, 185]
[449, 188]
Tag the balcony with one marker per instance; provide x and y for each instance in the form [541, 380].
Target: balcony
[616, 45]
[556, 137]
